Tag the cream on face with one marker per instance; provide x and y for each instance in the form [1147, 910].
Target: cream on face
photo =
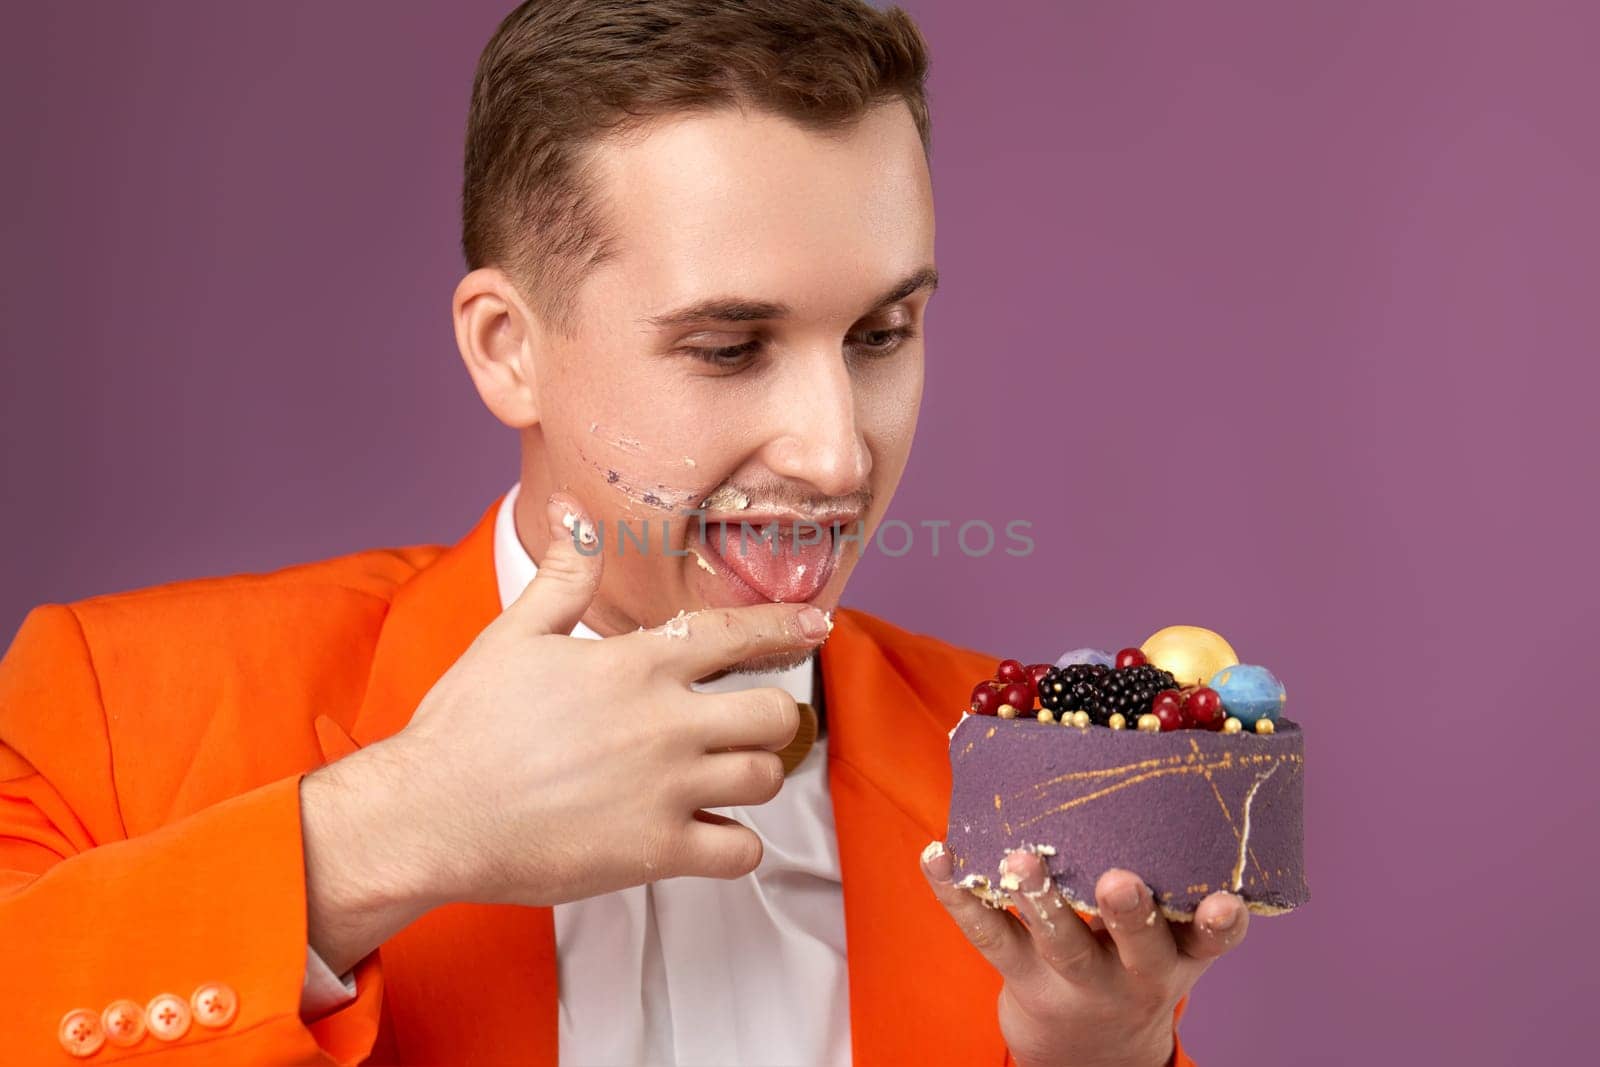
[796, 406]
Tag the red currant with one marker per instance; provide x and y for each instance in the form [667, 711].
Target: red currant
[1131, 657]
[986, 698]
[1011, 670]
[1037, 671]
[1171, 718]
[1019, 695]
[1204, 708]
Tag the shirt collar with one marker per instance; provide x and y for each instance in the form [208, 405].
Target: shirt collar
[514, 569]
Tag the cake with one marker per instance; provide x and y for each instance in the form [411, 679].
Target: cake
[1170, 759]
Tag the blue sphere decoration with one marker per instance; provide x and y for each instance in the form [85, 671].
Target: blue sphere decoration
[1085, 655]
[1249, 693]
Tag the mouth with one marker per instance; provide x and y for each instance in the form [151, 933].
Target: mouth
[783, 558]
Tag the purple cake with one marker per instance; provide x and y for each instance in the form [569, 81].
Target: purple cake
[1190, 808]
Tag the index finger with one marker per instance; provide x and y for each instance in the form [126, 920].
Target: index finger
[1063, 939]
[704, 642]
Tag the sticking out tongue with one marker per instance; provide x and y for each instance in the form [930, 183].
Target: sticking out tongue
[770, 562]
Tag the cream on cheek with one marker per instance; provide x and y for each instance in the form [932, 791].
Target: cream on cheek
[648, 477]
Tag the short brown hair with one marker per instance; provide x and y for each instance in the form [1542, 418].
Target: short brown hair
[559, 74]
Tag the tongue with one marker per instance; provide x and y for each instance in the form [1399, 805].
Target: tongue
[774, 566]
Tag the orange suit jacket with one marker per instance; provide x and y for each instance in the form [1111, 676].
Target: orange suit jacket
[151, 748]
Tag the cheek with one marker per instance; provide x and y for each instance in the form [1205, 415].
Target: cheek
[628, 434]
[888, 403]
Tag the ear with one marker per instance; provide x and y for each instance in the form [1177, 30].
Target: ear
[497, 336]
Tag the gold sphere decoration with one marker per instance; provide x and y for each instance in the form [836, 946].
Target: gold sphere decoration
[1080, 719]
[1232, 725]
[1118, 721]
[1149, 724]
[1265, 726]
[1192, 654]
[1046, 715]
[1006, 711]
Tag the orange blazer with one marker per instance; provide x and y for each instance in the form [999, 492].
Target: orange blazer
[151, 748]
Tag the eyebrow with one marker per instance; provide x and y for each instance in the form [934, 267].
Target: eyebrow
[737, 309]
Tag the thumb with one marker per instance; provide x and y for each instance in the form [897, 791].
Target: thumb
[569, 573]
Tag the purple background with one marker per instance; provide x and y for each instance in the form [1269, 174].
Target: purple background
[1276, 318]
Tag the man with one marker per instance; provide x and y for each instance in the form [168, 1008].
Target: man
[385, 808]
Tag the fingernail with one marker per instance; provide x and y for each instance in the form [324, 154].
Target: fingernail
[937, 861]
[813, 623]
[1225, 921]
[1029, 881]
[1124, 899]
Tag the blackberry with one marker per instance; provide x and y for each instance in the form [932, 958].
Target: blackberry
[1131, 690]
[1075, 688]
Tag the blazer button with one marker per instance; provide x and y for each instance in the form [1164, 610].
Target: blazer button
[168, 1017]
[215, 1005]
[80, 1033]
[123, 1022]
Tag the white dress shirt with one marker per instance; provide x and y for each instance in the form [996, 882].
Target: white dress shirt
[700, 971]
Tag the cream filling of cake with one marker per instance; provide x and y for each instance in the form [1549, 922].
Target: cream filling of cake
[677, 626]
[626, 478]
[726, 498]
[584, 530]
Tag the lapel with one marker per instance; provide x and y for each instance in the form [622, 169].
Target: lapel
[478, 983]
[919, 992]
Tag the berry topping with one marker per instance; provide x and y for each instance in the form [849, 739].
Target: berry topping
[1168, 698]
[1019, 695]
[1011, 670]
[1136, 689]
[986, 698]
[1131, 657]
[1204, 708]
[1132, 690]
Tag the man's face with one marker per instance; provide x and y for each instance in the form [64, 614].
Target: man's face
[798, 412]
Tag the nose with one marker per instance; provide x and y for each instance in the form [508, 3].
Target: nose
[818, 438]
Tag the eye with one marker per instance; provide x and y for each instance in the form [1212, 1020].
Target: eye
[873, 343]
[728, 357]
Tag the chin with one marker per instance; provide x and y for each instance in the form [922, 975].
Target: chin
[775, 661]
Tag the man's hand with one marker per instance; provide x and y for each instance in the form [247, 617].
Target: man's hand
[543, 768]
[1096, 994]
